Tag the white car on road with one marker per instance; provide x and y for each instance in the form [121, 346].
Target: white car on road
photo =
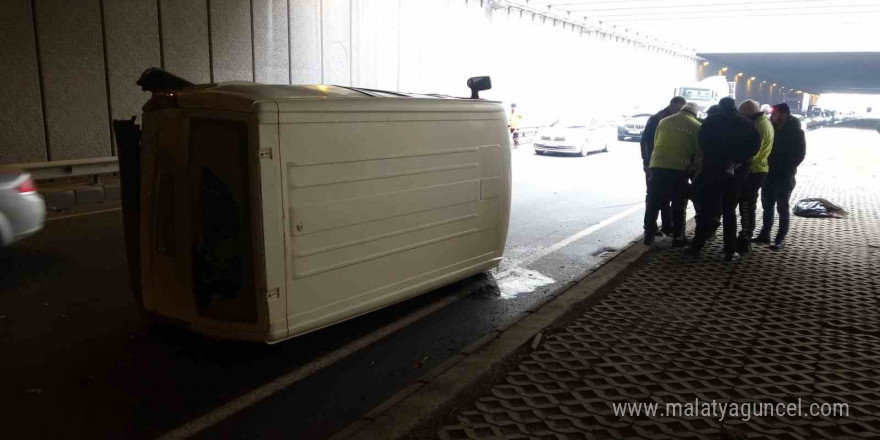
[22, 210]
[574, 135]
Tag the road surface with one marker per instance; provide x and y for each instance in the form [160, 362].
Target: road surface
[79, 362]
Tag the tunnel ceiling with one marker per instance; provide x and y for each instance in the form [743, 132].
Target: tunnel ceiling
[744, 26]
[855, 72]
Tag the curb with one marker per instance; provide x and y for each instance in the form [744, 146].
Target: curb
[69, 198]
[397, 416]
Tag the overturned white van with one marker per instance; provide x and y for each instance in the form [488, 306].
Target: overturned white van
[263, 212]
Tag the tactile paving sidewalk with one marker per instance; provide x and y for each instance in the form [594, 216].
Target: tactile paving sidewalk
[772, 327]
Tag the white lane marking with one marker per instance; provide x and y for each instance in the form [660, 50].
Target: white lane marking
[229, 409]
[82, 214]
[572, 238]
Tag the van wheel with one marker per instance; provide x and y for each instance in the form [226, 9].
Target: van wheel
[539, 153]
[621, 137]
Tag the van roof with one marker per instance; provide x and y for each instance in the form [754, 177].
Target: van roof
[259, 91]
[248, 97]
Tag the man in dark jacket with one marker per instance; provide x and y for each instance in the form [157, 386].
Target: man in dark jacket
[647, 144]
[728, 141]
[696, 182]
[789, 150]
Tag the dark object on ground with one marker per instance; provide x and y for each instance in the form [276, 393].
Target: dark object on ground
[818, 208]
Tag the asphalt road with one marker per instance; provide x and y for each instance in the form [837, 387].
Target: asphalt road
[79, 362]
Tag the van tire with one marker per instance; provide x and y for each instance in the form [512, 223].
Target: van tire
[539, 153]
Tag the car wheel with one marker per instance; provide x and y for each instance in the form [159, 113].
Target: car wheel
[621, 137]
[584, 152]
[605, 150]
[539, 153]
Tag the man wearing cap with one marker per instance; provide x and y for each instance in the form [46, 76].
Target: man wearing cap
[789, 150]
[728, 141]
[675, 146]
[748, 198]
[647, 146]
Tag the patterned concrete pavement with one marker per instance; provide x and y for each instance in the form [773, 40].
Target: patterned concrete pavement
[799, 327]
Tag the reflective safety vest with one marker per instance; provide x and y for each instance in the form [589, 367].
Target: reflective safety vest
[514, 119]
[765, 130]
[676, 142]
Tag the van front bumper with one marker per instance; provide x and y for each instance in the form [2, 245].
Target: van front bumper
[554, 146]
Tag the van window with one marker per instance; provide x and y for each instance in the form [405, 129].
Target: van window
[220, 220]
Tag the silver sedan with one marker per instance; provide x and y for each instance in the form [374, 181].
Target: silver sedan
[22, 210]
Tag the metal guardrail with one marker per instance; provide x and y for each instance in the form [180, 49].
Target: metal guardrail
[71, 168]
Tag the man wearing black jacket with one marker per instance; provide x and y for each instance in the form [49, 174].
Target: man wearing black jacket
[728, 141]
[789, 150]
[647, 146]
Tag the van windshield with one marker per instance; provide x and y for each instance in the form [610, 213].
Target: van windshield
[690, 94]
[570, 123]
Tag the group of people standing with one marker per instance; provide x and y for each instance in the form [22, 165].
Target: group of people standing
[721, 162]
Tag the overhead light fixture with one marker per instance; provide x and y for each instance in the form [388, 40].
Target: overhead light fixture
[774, 85]
[763, 82]
[724, 69]
[705, 63]
[752, 78]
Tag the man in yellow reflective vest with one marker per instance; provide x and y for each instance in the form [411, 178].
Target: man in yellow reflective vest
[675, 147]
[513, 121]
[748, 196]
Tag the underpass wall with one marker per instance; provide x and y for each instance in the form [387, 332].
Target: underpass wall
[71, 65]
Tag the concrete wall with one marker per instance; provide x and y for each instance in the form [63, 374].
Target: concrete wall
[70, 66]
[185, 45]
[22, 138]
[71, 50]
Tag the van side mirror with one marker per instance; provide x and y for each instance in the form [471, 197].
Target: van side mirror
[477, 84]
